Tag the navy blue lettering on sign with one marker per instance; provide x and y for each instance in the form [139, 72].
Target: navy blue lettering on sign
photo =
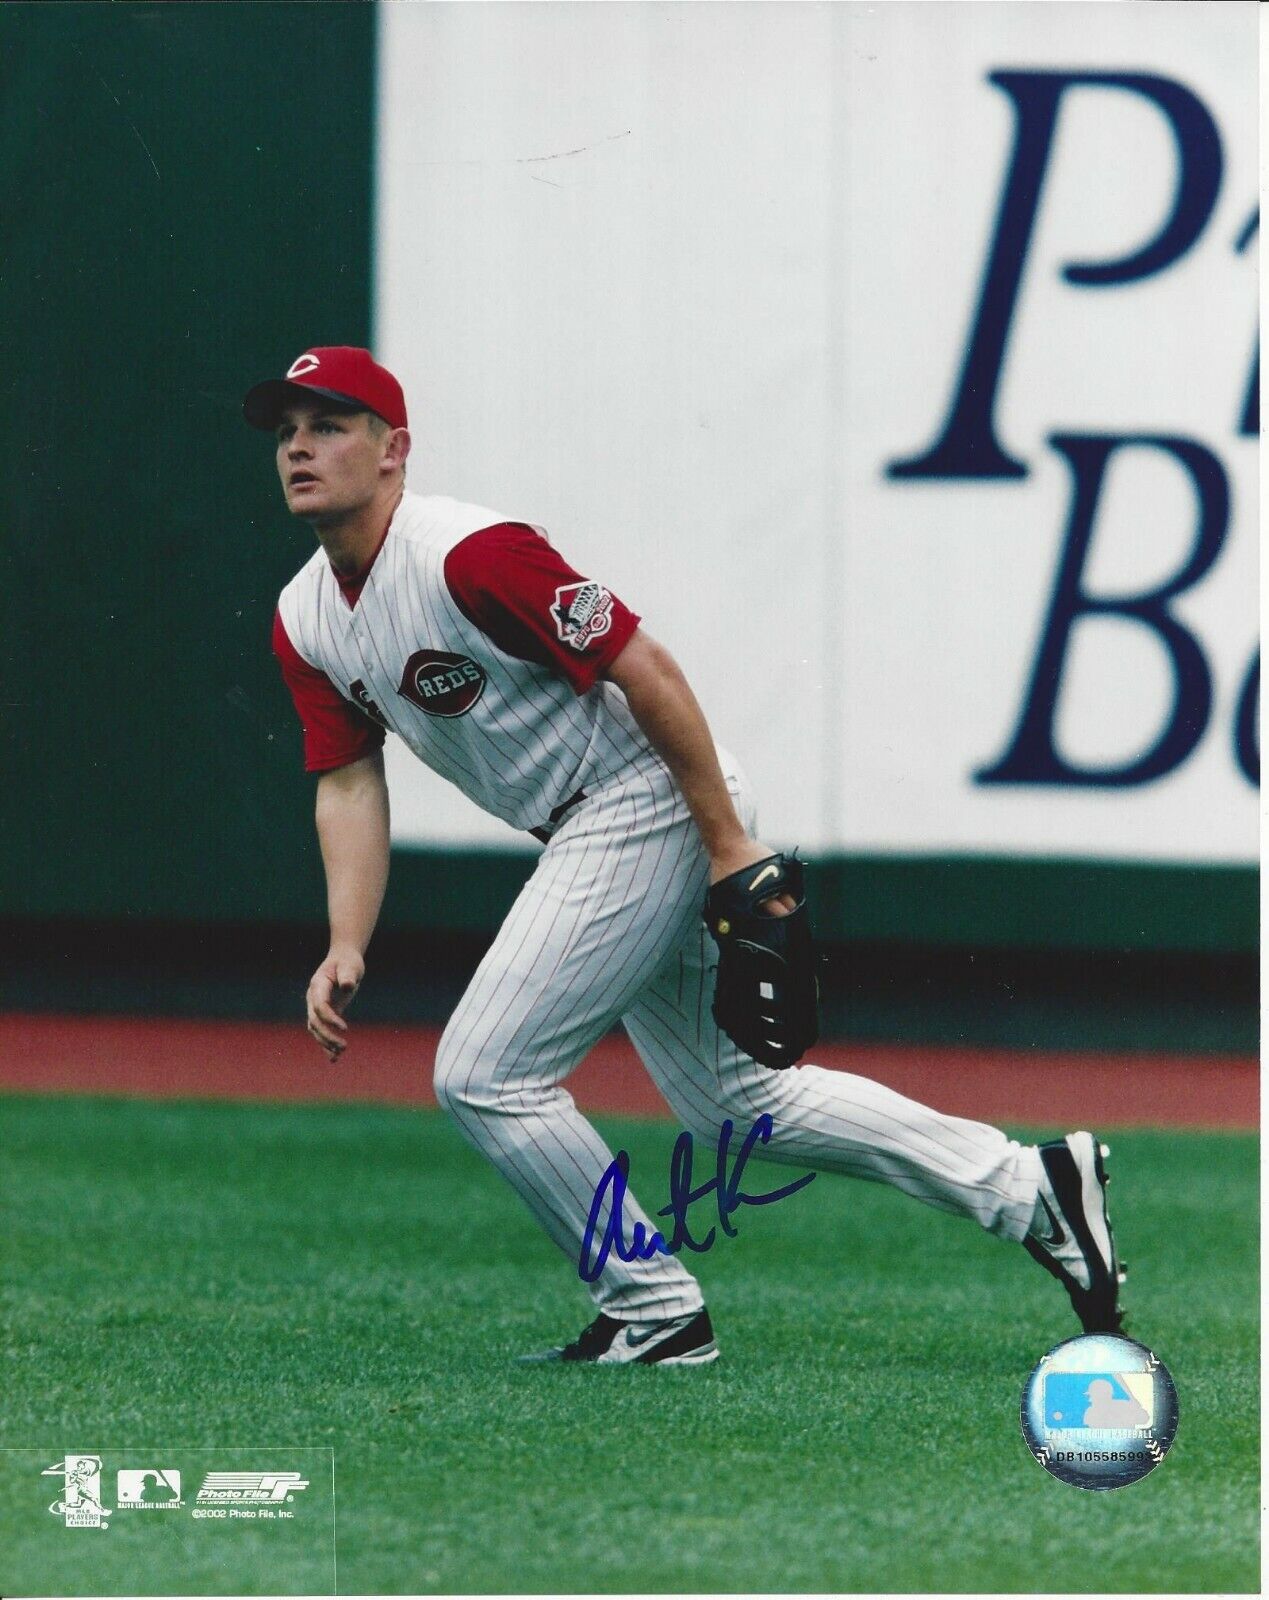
[1249, 423]
[1032, 755]
[966, 446]
[1246, 737]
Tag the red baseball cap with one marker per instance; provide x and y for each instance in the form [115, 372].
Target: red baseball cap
[341, 372]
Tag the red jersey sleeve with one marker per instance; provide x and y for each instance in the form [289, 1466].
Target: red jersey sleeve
[336, 732]
[515, 587]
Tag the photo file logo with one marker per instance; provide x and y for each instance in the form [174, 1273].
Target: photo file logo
[250, 1488]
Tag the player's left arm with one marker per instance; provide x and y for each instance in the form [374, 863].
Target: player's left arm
[663, 704]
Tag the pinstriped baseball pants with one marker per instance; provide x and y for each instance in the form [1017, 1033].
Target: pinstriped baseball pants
[609, 927]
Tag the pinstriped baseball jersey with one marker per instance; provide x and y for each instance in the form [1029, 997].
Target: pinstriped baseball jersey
[512, 734]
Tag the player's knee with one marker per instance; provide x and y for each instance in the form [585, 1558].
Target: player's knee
[742, 1111]
[706, 1123]
[471, 1083]
[452, 1078]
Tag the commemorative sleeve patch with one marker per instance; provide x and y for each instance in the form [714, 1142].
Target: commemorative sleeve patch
[582, 613]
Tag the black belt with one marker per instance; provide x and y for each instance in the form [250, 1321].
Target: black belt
[544, 833]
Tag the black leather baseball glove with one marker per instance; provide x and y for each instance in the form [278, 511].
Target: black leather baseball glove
[766, 998]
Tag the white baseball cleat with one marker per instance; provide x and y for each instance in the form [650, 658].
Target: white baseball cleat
[1071, 1236]
[677, 1342]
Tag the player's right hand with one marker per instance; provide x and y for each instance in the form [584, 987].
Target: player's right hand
[744, 853]
[330, 992]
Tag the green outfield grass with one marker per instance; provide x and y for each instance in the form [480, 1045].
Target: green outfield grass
[217, 1287]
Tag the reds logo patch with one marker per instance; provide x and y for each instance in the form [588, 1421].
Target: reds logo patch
[441, 683]
[582, 612]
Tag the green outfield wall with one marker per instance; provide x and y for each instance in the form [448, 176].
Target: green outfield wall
[985, 902]
[190, 197]
[187, 192]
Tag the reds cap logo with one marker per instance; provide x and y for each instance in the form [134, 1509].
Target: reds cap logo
[441, 683]
[301, 365]
[582, 612]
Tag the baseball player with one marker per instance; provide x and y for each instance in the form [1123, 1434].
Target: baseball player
[537, 691]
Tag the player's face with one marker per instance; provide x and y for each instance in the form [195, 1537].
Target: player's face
[330, 462]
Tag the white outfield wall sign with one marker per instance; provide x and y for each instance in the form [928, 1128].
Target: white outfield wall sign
[897, 363]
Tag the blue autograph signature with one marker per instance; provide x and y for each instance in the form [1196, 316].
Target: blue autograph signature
[612, 1188]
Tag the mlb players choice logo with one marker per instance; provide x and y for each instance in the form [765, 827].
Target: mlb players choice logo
[79, 1504]
[441, 683]
[1099, 1411]
[582, 612]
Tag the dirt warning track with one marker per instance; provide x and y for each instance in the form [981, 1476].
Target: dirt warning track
[181, 1059]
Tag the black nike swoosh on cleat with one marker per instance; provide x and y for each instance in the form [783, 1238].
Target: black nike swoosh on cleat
[1057, 1235]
